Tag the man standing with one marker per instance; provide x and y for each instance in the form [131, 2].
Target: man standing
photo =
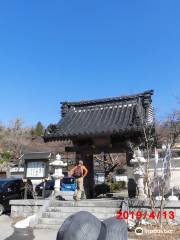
[79, 172]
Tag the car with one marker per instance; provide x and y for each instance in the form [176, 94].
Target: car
[68, 184]
[10, 189]
[49, 187]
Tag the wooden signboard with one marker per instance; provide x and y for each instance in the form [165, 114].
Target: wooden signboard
[36, 166]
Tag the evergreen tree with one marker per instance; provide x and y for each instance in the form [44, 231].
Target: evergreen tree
[39, 129]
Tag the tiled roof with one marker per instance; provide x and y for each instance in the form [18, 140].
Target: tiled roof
[109, 116]
[37, 155]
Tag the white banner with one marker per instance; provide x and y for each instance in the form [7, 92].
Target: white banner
[167, 165]
[156, 159]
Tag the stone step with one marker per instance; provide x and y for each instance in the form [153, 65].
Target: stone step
[77, 209]
[51, 221]
[58, 211]
[48, 226]
[60, 219]
[67, 195]
[58, 215]
[87, 203]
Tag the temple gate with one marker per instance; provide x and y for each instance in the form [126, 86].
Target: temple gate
[104, 125]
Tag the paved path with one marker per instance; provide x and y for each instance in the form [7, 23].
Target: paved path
[7, 232]
[5, 227]
[32, 234]
[41, 234]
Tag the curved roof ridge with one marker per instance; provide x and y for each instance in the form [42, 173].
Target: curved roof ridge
[111, 99]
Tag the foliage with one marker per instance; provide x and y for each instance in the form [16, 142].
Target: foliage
[169, 130]
[120, 171]
[117, 186]
[102, 189]
[168, 133]
[16, 138]
[38, 130]
[110, 162]
[5, 156]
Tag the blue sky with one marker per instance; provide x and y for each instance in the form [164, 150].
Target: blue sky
[51, 51]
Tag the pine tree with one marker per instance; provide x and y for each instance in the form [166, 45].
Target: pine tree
[39, 129]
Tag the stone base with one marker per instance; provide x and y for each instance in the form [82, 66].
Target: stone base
[68, 196]
[142, 197]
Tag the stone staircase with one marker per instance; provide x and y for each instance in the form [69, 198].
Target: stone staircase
[58, 211]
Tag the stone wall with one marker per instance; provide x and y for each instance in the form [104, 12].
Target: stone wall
[25, 208]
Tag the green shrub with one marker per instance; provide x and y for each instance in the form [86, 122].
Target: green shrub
[117, 186]
[102, 189]
[5, 157]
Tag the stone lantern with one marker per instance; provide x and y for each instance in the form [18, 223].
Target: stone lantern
[58, 164]
[138, 163]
